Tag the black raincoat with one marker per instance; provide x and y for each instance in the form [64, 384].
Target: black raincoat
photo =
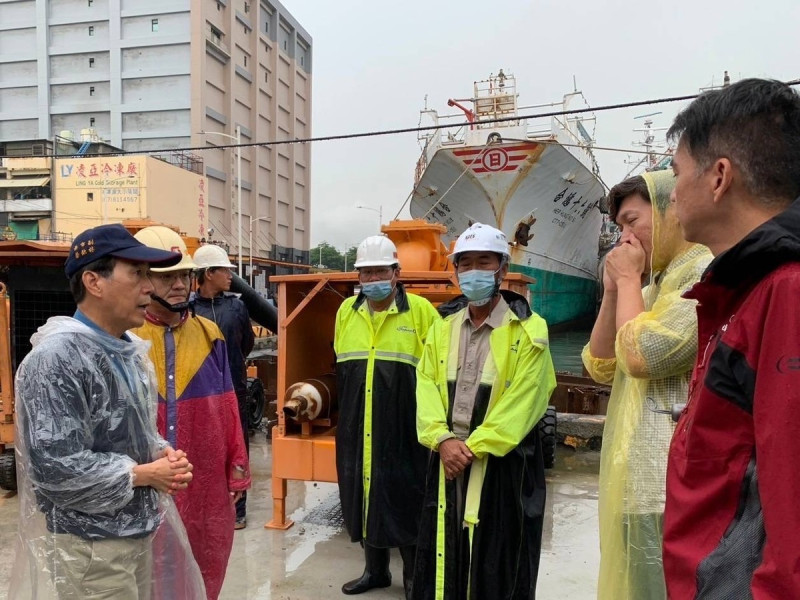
[380, 464]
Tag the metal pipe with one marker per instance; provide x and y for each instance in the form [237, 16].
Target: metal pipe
[239, 189]
[310, 399]
[261, 311]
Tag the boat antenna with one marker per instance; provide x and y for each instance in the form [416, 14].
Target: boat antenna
[574, 83]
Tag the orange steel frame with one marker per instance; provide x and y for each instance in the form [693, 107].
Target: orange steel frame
[6, 386]
[307, 306]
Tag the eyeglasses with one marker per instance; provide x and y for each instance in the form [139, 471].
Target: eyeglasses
[171, 277]
[375, 273]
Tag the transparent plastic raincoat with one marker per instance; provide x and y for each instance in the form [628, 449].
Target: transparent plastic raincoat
[85, 416]
[655, 353]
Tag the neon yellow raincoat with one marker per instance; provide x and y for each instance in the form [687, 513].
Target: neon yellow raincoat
[655, 353]
[380, 465]
[492, 551]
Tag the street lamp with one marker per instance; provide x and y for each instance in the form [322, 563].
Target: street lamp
[253, 220]
[238, 138]
[378, 210]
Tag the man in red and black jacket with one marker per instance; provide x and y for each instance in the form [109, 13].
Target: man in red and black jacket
[732, 522]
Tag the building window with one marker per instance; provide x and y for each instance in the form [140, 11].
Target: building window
[246, 8]
[219, 5]
[302, 61]
[90, 2]
[154, 25]
[216, 34]
[91, 121]
[266, 76]
[91, 63]
[245, 60]
[91, 90]
[91, 30]
[90, 196]
[285, 46]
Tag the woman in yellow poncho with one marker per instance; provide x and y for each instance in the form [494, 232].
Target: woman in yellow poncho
[645, 342]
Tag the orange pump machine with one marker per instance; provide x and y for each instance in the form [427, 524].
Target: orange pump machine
[304, 440]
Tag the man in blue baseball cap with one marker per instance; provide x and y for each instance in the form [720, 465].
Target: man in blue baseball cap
[93, 474]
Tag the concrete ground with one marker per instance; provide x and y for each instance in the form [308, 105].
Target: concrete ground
[312, 559]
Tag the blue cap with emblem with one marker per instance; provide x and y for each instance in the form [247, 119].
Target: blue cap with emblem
[114, 240]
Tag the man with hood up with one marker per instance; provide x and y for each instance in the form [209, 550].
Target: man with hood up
[644, 343]
[731, 524]
[483, 383]
[197, 408]
[380, 465]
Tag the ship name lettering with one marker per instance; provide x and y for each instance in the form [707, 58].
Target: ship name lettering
[569, 217]
[560, 195]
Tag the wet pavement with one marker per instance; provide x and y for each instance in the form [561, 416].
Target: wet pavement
[312, 559]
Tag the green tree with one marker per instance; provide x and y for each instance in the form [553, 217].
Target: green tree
[327, 256]
[351, 258]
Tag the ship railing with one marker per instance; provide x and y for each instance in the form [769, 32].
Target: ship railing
[432, 139]
[495, 97]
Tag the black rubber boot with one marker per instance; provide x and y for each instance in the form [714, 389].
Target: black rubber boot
[376, 572]
[408, 554]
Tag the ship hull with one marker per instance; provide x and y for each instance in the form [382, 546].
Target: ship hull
[545, 201]
[564, 301]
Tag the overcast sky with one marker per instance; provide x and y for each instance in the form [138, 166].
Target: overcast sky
[374, 62]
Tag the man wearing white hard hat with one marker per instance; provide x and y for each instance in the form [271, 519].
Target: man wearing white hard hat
[197, 408]
[483, 383]
[381, 466]
[214, 276]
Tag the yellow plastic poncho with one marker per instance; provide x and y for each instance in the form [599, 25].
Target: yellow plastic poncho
[655, 353]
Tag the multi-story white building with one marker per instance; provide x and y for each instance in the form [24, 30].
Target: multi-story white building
[157, 74]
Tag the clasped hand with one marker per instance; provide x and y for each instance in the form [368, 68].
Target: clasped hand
[626, 261]
[170, 473]
[455, 457]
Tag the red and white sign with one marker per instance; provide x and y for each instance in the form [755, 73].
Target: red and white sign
[493, 160]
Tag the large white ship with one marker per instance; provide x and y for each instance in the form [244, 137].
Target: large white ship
[535, 179]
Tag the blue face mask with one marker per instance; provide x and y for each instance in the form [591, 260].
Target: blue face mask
[477, 285]
[377, 290]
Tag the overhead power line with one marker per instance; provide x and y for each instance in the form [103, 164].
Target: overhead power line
[385, 132]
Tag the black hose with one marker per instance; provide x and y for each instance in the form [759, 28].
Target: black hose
[261, 311]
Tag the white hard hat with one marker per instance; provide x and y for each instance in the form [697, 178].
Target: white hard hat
[209, 256]
[163, 238]
[480, 238]
[376, 251]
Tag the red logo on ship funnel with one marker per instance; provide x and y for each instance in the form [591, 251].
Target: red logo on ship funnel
[495, 159]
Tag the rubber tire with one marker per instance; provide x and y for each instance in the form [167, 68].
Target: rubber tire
[8, 471]
[547, 435]
[255, 402]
